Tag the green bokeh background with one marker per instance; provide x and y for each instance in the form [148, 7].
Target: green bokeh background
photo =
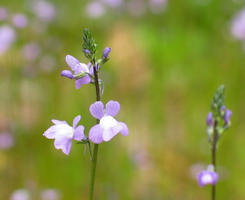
[163, 70]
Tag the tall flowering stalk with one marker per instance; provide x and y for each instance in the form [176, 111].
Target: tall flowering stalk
[106, 125]
[218, 120]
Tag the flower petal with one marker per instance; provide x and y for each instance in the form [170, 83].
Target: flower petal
[85, 80]
[81, 67]
[124, 130]
[76, 120]
[79, 133]
[95, 134]
[112, 108]
[72, 62]
[109, 133]
[56, 122]
[97, 110]
[50, 133]
[63, 143]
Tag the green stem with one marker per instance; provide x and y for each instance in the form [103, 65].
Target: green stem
[96, 146]
[214, 147]
[93, 169]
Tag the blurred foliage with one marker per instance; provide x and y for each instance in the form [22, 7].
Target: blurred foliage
[164, 69]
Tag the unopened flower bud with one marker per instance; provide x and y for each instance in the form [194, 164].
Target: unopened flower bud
[209, 120]
[67, 74]
[227, 116]
[86, 51]
[106, 52]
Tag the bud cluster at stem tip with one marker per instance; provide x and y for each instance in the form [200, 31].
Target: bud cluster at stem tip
[219, 115]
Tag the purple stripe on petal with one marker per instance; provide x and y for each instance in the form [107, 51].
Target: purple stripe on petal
[97, 110]
[63, 143]
[50, 133]
[124, 130]
[95, 134]
[79, 133]
[76, 120]
[85, 80]
[112, 108]
[72, 62]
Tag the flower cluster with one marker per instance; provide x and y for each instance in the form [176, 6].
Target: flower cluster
[217, 121]
[107, 126]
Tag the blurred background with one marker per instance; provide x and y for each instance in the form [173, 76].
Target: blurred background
[168, 57]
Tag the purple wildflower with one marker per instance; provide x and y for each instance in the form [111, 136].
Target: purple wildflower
[20, 194]
[238, 26]
[7, 37]
[95, 9]
[63, 134]
[209, 120]
[20, 20]
[207, 177]
[31, 51]
[113, 3]
[3, 13]
[78, 68]
[108, 126]
[157, 6]
[227, 116]
[50, 194]
[106, 52]
[6, 140]
[44, 10]
[136, 8]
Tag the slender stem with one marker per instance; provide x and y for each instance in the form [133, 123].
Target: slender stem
[214, 147]
[96, 146]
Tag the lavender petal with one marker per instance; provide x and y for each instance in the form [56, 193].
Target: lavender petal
[79, 133]
[76, 121]
[112, 108]
[124, 130]
[72, 62]
[85, 80]
[95, 134]
[97, 110]
[50, 133]
[63, 143]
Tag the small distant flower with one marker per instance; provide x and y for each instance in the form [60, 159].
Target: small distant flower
[209, 120]
[20, 194]
[31, 51]
[7, 37]
[106, 52]
[6, 140]
[157, 6]
[113, 3]
[95, 9]
[136, 7]
[44, 10]
[63, 134]
[3, 13]
[78, 68]
[227, 116]
[238, 26]
[207, 177]
[50, 194]
[108, 126]
[20, 20]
